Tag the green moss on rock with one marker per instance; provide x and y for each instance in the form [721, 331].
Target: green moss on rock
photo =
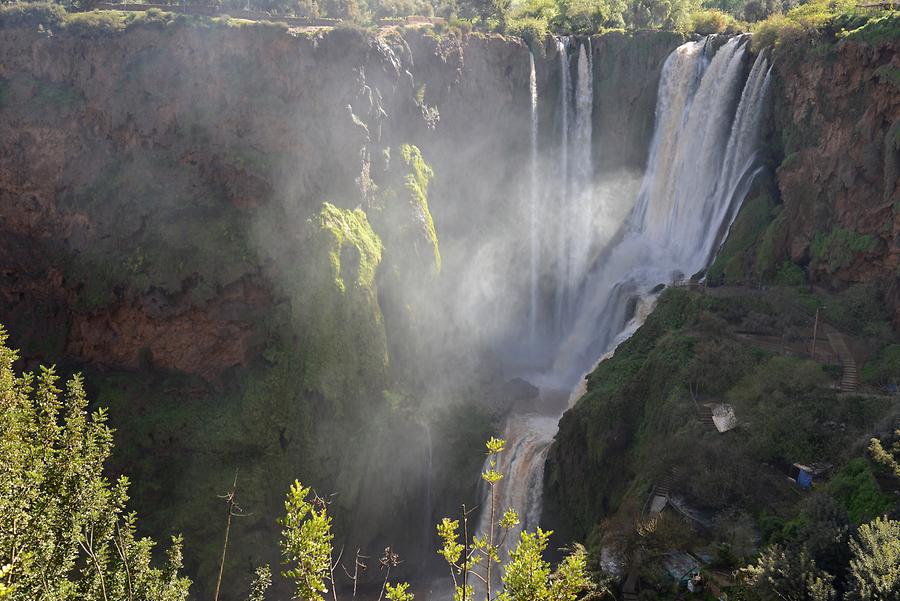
[345, 229]
[416, 182]
[839, 248]
[335, 306]
[734, 262]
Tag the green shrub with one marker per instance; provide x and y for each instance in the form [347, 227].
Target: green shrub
[31, 13]
[855, 487]
[810, 18]
[531, 29]
[586, 16]
[98, 21]
[767, 255]
[463, 25]
[815, 14]
[68, 523]
[711, 21]
[838, 248]
[861, 309]
[870, 30]
[733, 262]
[769, 32]
[544, 10]
[790, 274]
[884, 367]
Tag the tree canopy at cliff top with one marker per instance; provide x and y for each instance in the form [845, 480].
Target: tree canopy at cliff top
[536, 17]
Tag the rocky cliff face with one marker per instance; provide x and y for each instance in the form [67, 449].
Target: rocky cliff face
[164, 146]
[823, 221]
[838, 113]
[161, 191]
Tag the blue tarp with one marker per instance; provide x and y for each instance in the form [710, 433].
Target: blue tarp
[804, 479]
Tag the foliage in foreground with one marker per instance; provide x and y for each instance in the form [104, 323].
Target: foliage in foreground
[527, 575]
[65, 532]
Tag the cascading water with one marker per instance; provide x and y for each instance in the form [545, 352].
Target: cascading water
[429, 494]
[574, 194]
[580, 205]
[565, 98]
[702, 161]
[535, 200]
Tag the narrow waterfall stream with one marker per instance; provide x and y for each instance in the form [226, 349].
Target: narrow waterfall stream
[429, 493]
[578, 238]
[562, 195]
[702, 161]
[535, 194]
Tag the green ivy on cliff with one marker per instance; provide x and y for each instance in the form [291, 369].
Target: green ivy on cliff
[838, 248]
[335, 306]
[417, 186]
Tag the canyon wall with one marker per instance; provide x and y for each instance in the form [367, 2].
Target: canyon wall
[220, 223]
[820, 223]
[164, 229]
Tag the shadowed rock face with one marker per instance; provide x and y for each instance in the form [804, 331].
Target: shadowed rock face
[162, 147]
[838, 118]
[156, 191]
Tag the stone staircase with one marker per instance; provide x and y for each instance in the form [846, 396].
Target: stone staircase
[850, 375]
[664, 486]
[705, 415]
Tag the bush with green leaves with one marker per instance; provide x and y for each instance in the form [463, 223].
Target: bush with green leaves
[306, 543]
[875, 562]
[526, 575]
[783, 574]
[801, 21]
[884, 367]
[589, 16]
[65, 532]
[711, 21]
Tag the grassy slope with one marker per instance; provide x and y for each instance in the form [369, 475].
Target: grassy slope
[637, 423]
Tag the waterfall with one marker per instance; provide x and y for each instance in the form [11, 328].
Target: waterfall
[565, 99]
[575, 200]
[702, 161]
[535, 200]
[428, 529]
[528, 439]
[580, 206]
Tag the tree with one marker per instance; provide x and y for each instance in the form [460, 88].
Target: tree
[526, 576]
[824, 532]
[261, 584]
[791, 576]
[64, 529]
[485, 10]
[661, 14]
[306, 543]
[588, 16]
[889, 458]
[875, 562]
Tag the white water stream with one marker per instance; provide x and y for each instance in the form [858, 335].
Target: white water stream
[702, 161]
